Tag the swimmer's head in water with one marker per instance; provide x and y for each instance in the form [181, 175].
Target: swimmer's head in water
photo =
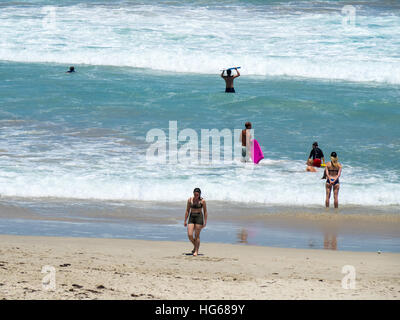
[248, 125]
[72, 69]
[228, 72]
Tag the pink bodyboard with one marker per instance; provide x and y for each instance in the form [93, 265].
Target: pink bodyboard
[256, 152]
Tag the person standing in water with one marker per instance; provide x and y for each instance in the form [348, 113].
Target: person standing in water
[333, 170]
[245, 139]
[195, 208]
[229, 79]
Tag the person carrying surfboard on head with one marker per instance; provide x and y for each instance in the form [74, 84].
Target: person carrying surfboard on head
[229, 79]
[245, 139]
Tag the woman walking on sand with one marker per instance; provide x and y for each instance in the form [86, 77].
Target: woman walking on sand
[333, 171]
[195, 206]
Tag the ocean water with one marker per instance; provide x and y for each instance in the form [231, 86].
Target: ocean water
[326, 71]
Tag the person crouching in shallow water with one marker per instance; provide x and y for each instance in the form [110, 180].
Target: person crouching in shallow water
[195, 206]
[310, 167]
[316, 154]
[333, 171]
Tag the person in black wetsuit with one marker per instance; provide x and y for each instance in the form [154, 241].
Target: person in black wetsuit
[316, 154]
[229, 79]
[195, 206]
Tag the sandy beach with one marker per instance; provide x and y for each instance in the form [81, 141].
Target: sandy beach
[90, 268]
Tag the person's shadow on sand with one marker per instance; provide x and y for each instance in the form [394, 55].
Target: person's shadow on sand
[191, 253]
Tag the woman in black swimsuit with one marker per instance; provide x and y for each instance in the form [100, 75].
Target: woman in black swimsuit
[194, 208]
[333, 171]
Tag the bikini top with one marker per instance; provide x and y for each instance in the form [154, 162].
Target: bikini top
[332, 169]
[197, 205]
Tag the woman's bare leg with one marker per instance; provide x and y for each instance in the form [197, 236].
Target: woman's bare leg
[336, 195]
[197, 231]
[190, 230]
[328, 194]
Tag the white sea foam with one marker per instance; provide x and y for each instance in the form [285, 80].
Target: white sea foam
[123, 177]
[91, 164]
[276, 192]
[204, 40]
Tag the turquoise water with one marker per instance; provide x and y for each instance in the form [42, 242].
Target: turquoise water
[83, 135]
[306, 76]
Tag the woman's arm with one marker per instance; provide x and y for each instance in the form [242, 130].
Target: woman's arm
[205, 213]
[327, 171]
[338, 175]
[187, 212]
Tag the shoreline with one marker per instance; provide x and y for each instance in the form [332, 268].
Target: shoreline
[343, 229]
[93, 268]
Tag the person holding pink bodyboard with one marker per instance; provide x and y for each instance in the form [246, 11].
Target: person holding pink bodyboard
[245, 139]
[250, 148]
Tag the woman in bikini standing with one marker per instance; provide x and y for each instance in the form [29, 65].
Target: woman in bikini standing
[195, 206]
[333, 171]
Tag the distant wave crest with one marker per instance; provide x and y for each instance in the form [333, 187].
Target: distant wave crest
[202, 40]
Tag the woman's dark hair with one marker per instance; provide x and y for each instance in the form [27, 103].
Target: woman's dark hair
[199, 191]
[247, 125]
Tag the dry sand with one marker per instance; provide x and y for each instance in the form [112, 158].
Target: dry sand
[87, 268]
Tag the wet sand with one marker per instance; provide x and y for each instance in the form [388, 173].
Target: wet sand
[349, 228]
[90, 268]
